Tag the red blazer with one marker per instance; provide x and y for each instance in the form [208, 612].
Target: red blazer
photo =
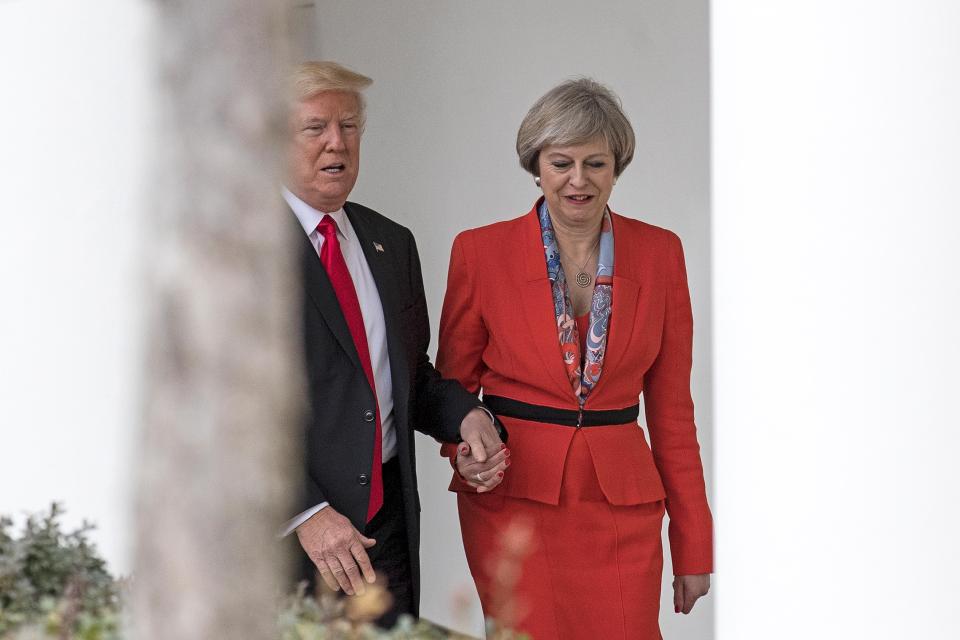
[498, 334]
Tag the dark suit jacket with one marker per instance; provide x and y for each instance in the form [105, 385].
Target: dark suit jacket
[339, 437]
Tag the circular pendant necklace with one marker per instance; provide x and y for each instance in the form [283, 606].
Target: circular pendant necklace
[584, 279]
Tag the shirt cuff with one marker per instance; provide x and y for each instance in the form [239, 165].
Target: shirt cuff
[299, 519]
[489, 413]
[501, 431]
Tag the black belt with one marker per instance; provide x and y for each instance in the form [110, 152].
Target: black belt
[565, 417]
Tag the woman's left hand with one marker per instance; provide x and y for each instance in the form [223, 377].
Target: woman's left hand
[687, 589]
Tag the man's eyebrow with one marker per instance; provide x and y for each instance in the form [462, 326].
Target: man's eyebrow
[313, 120]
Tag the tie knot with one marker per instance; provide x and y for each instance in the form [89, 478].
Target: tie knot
[327, 227]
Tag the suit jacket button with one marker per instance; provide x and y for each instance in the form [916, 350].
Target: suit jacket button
[369, 415]
[363, 479]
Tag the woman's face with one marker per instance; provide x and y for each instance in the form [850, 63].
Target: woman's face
[577, 181]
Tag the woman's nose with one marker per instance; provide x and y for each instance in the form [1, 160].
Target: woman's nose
[578, 177]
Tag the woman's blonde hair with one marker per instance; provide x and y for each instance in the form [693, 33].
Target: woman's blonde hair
[572, 113]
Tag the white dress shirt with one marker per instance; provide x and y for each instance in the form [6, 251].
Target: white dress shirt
[373, 322]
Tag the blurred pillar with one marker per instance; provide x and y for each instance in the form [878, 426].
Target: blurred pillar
[215, 461]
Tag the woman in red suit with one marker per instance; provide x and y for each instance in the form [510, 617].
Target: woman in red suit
[562, 318]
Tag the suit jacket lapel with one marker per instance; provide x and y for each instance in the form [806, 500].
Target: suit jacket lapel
[321, 293]
[537, 304]
[382, 268]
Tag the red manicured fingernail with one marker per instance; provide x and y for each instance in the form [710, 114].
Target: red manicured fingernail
[499, 474]
[463, 451]
[676, 609]
[506, 463]
[507, 454]
[502, 446]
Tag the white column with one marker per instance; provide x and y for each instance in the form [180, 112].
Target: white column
[836, 201]
[77, 109]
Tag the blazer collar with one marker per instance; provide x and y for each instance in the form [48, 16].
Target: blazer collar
[537, 303]
[535, 264]
[628, 246]
[534, 261]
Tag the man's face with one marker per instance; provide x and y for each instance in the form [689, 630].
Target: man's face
[323, 157]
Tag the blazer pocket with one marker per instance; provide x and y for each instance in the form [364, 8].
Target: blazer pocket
[624, 465]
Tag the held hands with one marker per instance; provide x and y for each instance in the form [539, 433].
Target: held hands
[482, 458]
[338, 550]
[687, 589]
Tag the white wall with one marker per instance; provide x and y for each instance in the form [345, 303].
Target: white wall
[836, 164]
[451, 83]
[73, 148]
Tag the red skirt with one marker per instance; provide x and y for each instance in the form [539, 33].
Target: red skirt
[581, 569]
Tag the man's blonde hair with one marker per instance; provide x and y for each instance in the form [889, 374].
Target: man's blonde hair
[311, 78]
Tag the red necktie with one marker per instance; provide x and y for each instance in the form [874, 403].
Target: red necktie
[336, 266]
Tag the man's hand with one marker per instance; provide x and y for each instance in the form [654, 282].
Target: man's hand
[480, 435]
[687, 589]
[482, 457]
[337, 548]
[483, 476]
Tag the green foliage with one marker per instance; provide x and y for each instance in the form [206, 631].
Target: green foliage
[54, 585]
[325, 617]
[55, 578]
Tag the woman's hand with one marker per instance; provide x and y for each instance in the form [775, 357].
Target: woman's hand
[687, 589]
[483, 476]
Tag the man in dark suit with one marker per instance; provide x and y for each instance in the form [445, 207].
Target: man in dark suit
[370, 381]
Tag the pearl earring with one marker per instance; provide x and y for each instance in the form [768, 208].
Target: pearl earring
[536, 180]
